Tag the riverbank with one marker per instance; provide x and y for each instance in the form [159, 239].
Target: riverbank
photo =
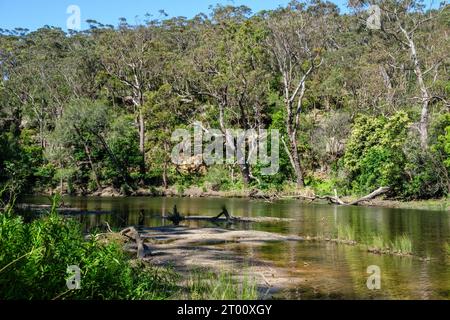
[299, 195]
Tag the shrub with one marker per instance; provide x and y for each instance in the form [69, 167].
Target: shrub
[373, 157]
[426, 170]
[34, 258]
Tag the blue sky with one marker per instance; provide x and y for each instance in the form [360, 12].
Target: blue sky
[33, 14]
[37, 13]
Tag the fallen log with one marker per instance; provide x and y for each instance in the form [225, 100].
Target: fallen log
[176, 218]
[336, 200]
[232, 219]
[376, 193]
[224, 213]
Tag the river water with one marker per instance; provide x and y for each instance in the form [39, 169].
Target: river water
[328, 270]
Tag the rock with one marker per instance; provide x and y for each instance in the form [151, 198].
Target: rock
[107, 192]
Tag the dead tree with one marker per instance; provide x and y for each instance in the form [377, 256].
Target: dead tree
[336, 200]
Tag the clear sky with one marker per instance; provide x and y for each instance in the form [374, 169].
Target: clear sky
[33, 14]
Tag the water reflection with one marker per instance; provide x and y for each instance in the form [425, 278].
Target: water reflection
[328, 270]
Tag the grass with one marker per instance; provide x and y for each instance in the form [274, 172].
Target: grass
[208, 285]
[346, 233]
[447, 248]
[35, 256]
[377, 242]
[402, 245]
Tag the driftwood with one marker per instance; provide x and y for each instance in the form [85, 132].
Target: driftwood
[336, 200]
[370, 196]
[176, 218]
[233, 219]
[224, 213]
[132, 234]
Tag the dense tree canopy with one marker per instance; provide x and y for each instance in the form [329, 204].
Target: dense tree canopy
[357, 108]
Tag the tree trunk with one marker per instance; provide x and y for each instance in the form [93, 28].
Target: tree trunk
[423, 127]
[295, 159]
[142, 144]
[297, 166]
[165, 176]
[245, 174]
[91, 164]
[425, 97]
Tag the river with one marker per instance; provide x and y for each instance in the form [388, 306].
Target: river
[328, 270]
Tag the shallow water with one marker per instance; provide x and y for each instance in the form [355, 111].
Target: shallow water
[327, 270]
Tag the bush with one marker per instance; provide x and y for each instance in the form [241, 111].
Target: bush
[217, 178]
[34, 258]
[373, 157]
[428, 175]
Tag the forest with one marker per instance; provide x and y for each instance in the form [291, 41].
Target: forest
[357, 108]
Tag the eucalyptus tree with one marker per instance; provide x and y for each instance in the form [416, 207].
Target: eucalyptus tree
[227, 69]
[82, 138]
[421, 42]
[296, 43]
[133, 57]
[38, 77]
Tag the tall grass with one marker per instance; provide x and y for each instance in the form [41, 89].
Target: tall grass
[346, 233]
[208, 285]
[402, 245]
[377, 242]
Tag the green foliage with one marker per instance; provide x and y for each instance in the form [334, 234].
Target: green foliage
[346, 233]
[217, 179]
[122, 139]
[441, 138]
[374, 154]
[322, 186]
[446, 142]
[34, 258]
[402, 245]
[72, 105]
[207, 285]
[428, 175]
